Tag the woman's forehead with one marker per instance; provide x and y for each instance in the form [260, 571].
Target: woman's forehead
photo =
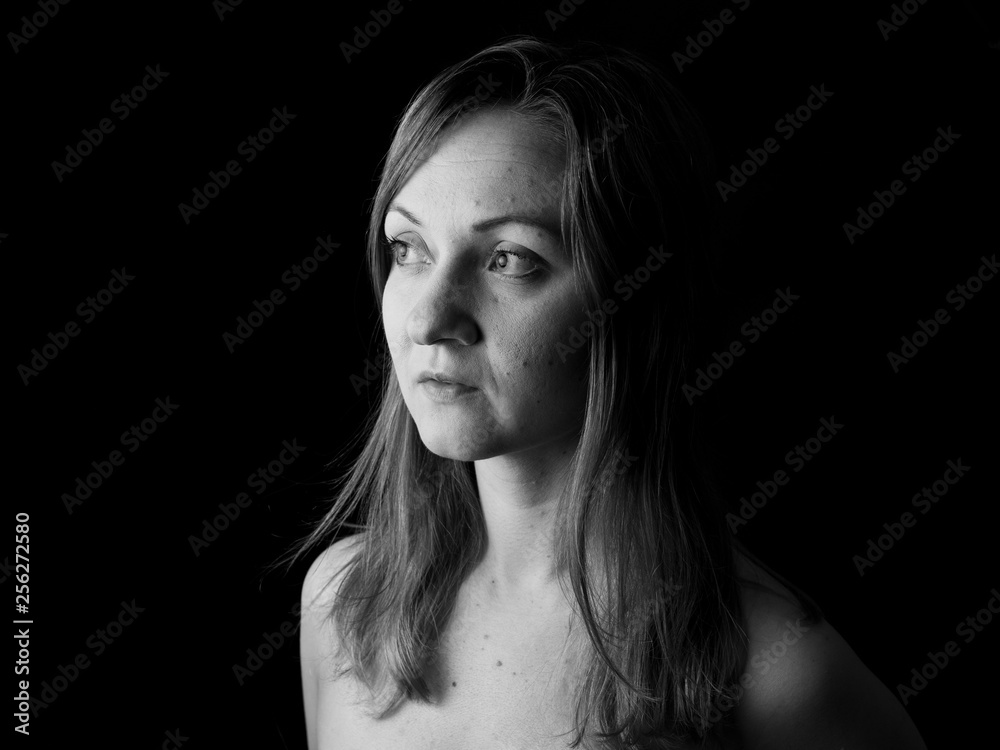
[496, 140]
[496, 160]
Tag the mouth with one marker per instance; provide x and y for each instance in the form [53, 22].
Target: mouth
[443, 388]
[440, 377]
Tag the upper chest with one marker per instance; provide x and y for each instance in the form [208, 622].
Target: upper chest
[501, 680]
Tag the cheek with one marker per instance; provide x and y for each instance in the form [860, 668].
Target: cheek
[390, 299]
[542, 368]
[393, 318]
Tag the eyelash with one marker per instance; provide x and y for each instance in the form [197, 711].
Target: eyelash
[390, 245]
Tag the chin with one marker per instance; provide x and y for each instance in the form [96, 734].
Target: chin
[457, 441]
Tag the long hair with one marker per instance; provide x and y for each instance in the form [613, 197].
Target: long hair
[641, 542]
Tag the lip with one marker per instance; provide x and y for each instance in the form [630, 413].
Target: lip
[445, 393]
[441, 377]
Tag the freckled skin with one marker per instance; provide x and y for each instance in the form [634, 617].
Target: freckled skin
[452, 307]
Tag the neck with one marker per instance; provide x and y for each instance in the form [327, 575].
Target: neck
[519, 493]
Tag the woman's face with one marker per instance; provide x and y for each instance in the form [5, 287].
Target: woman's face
[481, 291]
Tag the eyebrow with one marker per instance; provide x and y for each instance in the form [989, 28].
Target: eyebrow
[486, 224]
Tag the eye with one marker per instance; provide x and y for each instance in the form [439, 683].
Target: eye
[514, 264]
[511, 264]
[399, 250]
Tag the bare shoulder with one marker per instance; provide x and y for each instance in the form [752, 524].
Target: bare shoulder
[803, 685]
[317, 636]
[319, 587]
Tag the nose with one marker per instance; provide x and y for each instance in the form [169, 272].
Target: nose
[443, 311]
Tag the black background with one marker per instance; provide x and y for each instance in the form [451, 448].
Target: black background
[162, 336]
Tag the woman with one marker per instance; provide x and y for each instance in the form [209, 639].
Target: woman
[541, 565]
